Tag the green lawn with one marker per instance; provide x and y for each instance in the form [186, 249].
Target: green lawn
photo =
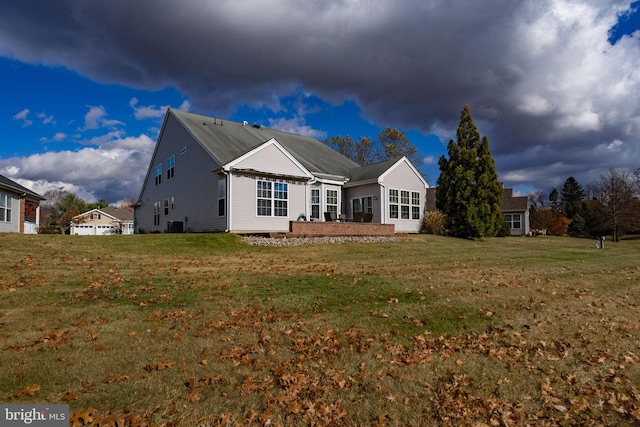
[201, 329]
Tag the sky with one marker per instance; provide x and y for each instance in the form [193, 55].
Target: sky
[85, 85]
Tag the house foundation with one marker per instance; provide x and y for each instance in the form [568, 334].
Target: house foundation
[323, 229]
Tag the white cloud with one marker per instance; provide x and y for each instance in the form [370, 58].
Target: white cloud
[60, 136]
[96, 119]
[23, 116]
[112, 170]
[153, 112]
[296, 125]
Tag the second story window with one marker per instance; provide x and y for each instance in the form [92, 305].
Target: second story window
[171, 167]
[158, 171]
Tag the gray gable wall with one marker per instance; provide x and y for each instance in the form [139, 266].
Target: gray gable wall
[227, 140]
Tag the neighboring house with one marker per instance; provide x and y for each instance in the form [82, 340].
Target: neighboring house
[103, 221]
[514, 208]
[19, 208]
[212, 175]
[516, 212]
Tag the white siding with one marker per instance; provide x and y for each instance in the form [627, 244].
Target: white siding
[244, 212]
[402, 177]
[12, 226]
[193, 188]
[272, 160]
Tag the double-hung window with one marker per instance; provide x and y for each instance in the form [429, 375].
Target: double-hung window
[404, 204]
[171, 167]
[222, 196]
[166, 206]
[315, 203]
[156, 213]
[514, 220]
[272, 198]
[415, 205]
[332, 201]
[5, 208]
[393, 203]
[158, 171]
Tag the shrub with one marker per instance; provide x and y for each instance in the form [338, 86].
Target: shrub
[435, 222]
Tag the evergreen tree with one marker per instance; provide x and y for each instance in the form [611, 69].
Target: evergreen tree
[468, 190]
[573, 206]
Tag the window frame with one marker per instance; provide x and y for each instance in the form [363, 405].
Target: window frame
[332, 200]
[158, 173]
[171, 167]
[6, 207]
[510, 218]
[272, 198]
[315, 203]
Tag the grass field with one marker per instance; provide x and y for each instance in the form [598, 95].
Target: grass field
[188, 329]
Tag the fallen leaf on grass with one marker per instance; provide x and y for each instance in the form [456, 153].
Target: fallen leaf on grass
[115, 378]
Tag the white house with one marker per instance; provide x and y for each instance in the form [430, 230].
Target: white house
[19, 208]
[207, 174]
[104, 221]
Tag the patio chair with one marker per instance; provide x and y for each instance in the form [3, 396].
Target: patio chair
[368, 217]
[330, 216]
[357, 217]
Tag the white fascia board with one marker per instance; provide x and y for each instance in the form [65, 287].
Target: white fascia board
[397, 164]
[87, 213]
[231, 165]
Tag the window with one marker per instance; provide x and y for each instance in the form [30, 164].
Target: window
[264, 195]
[171, 167]
[5, 208]
[222, 196]
[315, 203]
[362, 204]
[95, 216]
[156, 213]
[514, 220]
[166, 206]
[332, 201]
[393, 203]
[404, 204]
[158, 170]
[281, 197]
[415, 205]
[273, 198]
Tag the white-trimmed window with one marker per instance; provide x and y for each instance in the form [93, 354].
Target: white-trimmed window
[332, 201]
[158, 171]
[156, 213]
[315, 203]
[95, 216]
[272, 198]
[514, 220]
[171, 167]
[222, 196]
[166, 206]
[415, 205]
[393, 203]
[404, 204]
[5, 207]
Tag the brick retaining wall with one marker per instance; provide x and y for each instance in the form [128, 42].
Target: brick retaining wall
[318, 228]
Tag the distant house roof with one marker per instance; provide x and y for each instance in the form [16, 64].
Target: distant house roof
[122, 214]
[13, 186]
[513, 204]
[509, 202]
[227, 140]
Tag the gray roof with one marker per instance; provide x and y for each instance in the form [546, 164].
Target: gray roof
[227, 140]
[13, 186]
[372, 171]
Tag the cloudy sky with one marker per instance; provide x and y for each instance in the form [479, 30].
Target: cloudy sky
[554, 84]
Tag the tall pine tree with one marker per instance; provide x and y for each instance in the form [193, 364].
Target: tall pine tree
[468, 190]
